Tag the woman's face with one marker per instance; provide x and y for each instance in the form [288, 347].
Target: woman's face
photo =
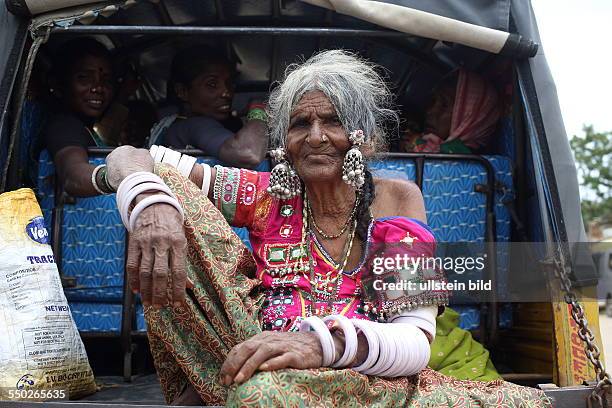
[316, 141]
[211, 92]
[439, 113]
[90, 86]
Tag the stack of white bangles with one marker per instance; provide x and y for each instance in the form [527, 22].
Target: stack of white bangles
[138, 183]
[183, 163]
[394, 349]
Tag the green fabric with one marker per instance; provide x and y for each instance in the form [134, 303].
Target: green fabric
[454, 147]
[455, 353]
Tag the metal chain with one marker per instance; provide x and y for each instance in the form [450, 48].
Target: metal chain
[586, 334]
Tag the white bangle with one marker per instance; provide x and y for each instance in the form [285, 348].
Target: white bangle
[399, 349]
[186, 164]
[133, 180]
[423, 318]
[404, 350]
[94, 174]
[172, 158]
[325, 337]
[350, 339]
[206, 179]
[159, 154]
[385, 359]
[128, 184]
[137, 178]
[126, 201]
[365, 327]
[158, 198]
[153, 151]
[420, 350]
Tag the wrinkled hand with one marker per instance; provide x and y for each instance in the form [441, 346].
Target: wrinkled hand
[126, 160]
[269, 351]
[157, 250]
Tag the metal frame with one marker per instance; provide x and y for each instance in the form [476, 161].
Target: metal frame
[227, 30]
[128, 311]
[14, 70]
[10, 74]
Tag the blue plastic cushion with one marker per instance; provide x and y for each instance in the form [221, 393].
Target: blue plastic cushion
[469, 316]
[456, 212]
[96, 317]
[93, 244]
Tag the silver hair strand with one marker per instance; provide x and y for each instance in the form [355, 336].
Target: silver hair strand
[360, 95]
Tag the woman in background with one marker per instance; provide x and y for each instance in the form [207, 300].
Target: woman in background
[82, 88]
[203, 82]
[461, 117]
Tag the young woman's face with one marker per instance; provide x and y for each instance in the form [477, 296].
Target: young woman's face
[90, 86]
[211, 92]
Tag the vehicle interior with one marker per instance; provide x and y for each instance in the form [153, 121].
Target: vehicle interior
[483, 197]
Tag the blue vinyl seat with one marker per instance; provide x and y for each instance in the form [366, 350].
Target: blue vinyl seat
[456, 207]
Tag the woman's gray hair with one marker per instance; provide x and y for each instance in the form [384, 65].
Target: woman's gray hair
[360, 95]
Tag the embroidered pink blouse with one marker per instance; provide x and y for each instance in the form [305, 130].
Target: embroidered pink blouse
[275, 232]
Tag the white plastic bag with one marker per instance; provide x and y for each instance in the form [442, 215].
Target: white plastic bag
[40, 346]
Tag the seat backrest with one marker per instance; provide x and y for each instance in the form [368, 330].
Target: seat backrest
[456, 207]
[92, 239]
[456, 211]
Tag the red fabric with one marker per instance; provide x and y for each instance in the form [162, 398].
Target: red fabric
[476, 110]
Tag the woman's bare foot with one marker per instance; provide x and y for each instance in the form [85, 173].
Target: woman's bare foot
[188, 397]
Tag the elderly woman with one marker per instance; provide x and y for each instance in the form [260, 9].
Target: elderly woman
[303, 321]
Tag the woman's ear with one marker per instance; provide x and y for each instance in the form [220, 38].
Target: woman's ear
[368, 149]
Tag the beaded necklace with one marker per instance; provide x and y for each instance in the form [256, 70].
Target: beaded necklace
[344, 227]
[306, 238]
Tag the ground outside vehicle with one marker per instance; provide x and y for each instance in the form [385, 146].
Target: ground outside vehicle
[524, 191]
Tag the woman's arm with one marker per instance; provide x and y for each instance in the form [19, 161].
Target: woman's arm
[247, 147]
[157, 247]
[74, 171]
[395, 197]
[197, 176]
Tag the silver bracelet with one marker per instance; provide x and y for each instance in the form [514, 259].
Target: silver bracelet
[218, 181]
[94, 174]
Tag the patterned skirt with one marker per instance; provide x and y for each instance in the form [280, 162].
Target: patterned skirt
[190, 343]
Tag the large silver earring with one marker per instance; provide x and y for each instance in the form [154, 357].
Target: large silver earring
[284, 181]
[353, 166]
